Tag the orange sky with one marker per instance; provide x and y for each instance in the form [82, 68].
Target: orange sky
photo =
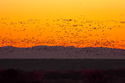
[79, 23]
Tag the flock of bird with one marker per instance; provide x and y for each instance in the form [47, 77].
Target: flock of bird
[81, 32]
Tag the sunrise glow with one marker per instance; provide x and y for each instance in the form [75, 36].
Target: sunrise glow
[78, 23]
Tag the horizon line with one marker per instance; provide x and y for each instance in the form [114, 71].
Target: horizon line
[61, 46]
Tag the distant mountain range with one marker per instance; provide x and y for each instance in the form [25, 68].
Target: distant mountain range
[60, 52]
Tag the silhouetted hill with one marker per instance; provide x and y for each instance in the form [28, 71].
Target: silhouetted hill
[60, 52]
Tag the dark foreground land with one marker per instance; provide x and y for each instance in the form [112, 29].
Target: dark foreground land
[74, 76]
[62, 71]
[61, 64]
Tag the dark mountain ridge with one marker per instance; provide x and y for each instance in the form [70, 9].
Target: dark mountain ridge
[60, 52]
